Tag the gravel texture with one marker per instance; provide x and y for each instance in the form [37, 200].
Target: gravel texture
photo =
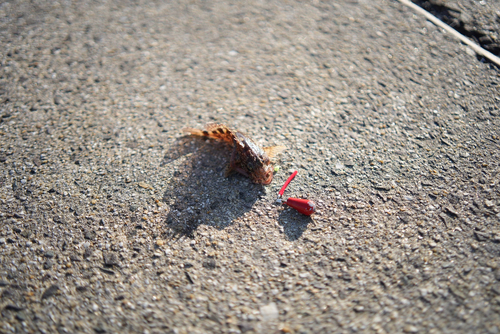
[113, 221]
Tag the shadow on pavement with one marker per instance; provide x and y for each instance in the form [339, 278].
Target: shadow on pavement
[199, 193]
[294, 223]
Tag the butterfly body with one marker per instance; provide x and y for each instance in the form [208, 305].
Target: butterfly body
[247, 157]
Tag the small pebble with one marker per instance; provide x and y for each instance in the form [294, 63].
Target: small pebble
[49, 254]
[110, 259]
[410, 329]
[269, 312]
[489, 204]
[144, 185]
[48, 264]
[21, 316]
[52, 290]
[89, 235]
[209, 264]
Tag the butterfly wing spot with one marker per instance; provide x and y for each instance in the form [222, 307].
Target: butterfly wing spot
[215, 131]
[214, 126]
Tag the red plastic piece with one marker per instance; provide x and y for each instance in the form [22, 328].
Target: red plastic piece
[286, 183]
[303, 206]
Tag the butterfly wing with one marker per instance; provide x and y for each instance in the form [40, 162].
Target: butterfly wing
[273, 151]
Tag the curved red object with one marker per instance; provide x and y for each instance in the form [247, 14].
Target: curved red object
[286, 183]
[303, 206]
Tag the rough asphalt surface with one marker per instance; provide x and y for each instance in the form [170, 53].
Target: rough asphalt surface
[113, 221]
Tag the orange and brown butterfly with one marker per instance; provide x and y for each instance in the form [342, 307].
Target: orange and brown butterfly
[247, 158]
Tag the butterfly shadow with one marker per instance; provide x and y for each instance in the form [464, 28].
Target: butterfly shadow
[198, 191]
[294, 223]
